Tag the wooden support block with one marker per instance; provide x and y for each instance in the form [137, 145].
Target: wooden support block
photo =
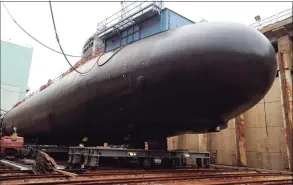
[67, 173]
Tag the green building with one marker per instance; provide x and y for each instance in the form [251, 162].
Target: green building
[15, 69]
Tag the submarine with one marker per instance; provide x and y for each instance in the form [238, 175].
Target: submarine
[191, 79]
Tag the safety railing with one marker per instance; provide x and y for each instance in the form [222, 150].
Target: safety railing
[130, 9]
[272, 19]
[50, 82]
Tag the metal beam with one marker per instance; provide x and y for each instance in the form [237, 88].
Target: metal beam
[14, 165]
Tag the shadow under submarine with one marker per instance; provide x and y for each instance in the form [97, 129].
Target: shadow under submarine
[192, 79]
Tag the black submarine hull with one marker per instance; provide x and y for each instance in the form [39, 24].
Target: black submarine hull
[187, 80]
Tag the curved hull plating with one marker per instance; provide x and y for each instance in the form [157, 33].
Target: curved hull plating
[190, 79]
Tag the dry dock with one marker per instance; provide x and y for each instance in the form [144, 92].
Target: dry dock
[158, 176]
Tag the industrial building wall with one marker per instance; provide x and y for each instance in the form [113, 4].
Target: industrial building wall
[9, 96]
[15, 68]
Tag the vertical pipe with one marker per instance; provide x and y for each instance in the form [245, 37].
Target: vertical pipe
[240, 139]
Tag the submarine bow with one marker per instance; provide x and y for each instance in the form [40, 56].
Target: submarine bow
[190, 79]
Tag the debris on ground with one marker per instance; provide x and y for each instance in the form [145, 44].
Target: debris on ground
[44, 164]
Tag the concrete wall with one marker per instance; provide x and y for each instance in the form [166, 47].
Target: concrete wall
[264, 132]
[192, 142]
[222, 145]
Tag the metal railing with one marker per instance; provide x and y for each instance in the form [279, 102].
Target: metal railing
[130, 9]
[272, 19]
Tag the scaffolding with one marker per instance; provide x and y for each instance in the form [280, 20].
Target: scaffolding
[126, 16]
[273, 19]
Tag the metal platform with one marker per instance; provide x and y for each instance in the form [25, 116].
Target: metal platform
[48, 148]
[94, 157]
[91, 156]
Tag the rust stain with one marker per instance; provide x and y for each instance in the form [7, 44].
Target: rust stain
[241, 143]
[241, 126]
[286, 98]
[173, 143]
[287, 90]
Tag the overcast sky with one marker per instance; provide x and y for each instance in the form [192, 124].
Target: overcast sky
[76, 21]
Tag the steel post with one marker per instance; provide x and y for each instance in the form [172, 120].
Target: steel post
[240, 138]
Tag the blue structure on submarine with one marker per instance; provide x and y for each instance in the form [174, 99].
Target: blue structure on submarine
[160, 75]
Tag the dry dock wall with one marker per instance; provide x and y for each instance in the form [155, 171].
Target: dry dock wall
[222, 145]
[264, 132]
[191, 142]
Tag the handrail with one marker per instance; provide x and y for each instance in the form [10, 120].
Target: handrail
[105, 20]
[124, 21]
[273, 19]
[103, 24]
[107, 23]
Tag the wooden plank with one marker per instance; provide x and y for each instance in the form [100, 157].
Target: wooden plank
[66, 173]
